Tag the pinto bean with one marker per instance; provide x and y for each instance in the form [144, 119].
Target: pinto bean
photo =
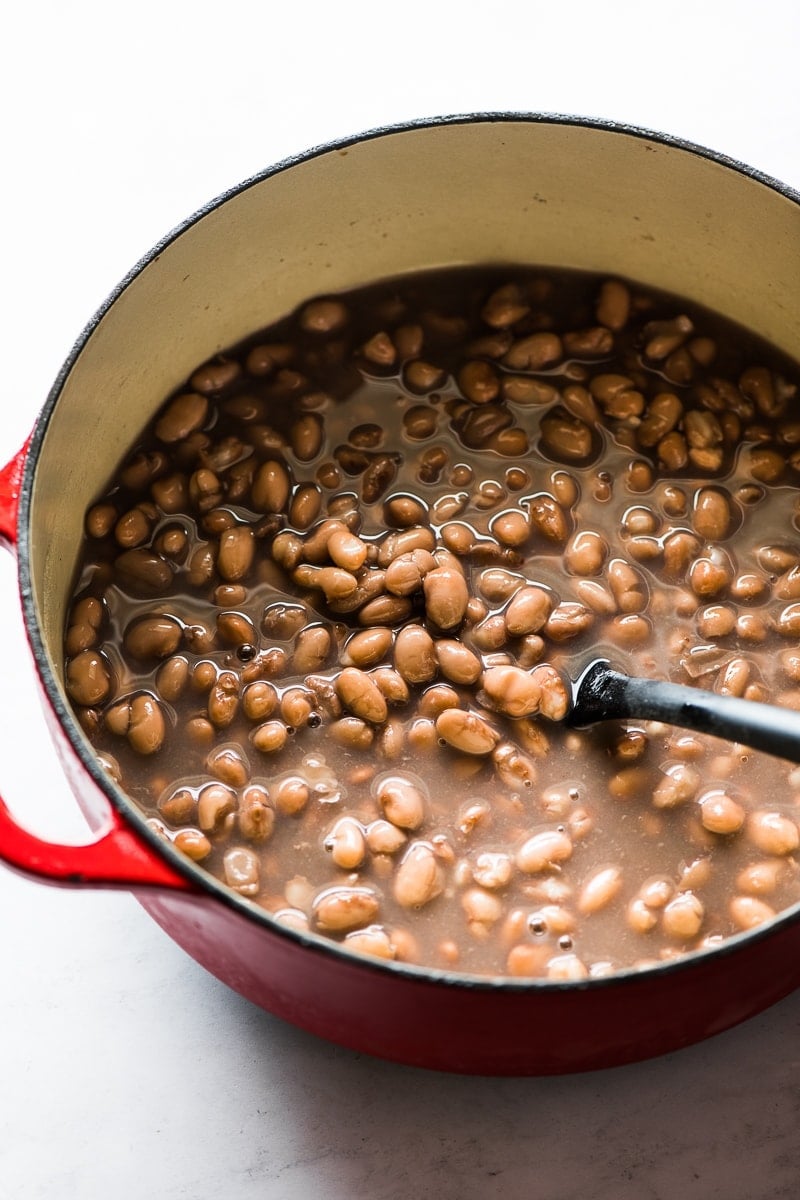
[361, 695]
[446, 597]
[466, 731]
[419, 878]
[414, 655]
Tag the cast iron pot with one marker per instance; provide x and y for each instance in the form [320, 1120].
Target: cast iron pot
[485, 188]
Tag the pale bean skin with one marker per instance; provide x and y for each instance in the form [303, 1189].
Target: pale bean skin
[761, 878]
[456, 661]
[271, 487]
[367, 648]
[402, 802]
[585, 553]
[183, 415]
[748, 911]
[339, 909]
[236, 553]
[419, 878]
[720, 813]
[384, 837]
[361, 695]
[269, 737]
[772, 833]
[712, 514]
[544, 852]
[600, 890]
[682, 917]
[242, 870]
[466, 731]
[528, 610]
[511, 691]
[346, 844]
[492, 869]
[414, 654]
[446, 597]
[88, 678]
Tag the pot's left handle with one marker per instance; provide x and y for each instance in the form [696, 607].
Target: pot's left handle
[117, 857]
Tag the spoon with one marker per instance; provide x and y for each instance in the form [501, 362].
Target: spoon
[601, 693]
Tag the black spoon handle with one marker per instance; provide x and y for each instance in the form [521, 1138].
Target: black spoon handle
[603, 694]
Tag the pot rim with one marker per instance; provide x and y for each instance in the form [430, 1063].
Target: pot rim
[124, 805]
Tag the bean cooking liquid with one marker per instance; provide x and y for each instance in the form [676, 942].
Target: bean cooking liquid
[326, 610]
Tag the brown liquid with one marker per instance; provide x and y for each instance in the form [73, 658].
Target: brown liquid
[581, 778]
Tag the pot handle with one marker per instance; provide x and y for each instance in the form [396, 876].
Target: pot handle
[117, 857]
[10, 488]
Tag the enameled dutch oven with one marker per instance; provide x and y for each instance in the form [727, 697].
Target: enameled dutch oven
[485, 188]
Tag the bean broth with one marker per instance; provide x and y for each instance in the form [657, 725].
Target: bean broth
[325, 615]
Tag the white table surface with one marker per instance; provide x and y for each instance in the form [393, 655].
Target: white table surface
[125, 1070]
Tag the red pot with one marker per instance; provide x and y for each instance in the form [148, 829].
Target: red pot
[479, 188]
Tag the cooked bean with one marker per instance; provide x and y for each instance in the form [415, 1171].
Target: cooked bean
[566, 438]
[346, 844]
[384, 837]
[255, 816]
[456, 661]
[359, 693]
[89, 678]
[418, 879]
[534, 352]
[544, 852]
[193, 844]
[242, 870]
[223, 700]
[367, 648]
[353, 732]
[568, 620]
[402, 802]
[269, 737]
[271, 487]
[712, 514]
[305, 436]
[143, 573]
[414, 654]
[446, 597]
[466, 731]
[600, 890]
[183, 416]
[585, 553]
[772, 833]
[511, 691]
[384, 610]
[683, 916]
[747, 912]
[677, 786]
[548, 519]
[720, 813]
[305, 507]
[529, 610]
[343, 908]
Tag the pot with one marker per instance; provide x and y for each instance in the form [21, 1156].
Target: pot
[496, 187]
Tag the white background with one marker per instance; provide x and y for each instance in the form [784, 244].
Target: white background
[126, 1071]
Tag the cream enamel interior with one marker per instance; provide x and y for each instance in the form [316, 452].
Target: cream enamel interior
[484, 191]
